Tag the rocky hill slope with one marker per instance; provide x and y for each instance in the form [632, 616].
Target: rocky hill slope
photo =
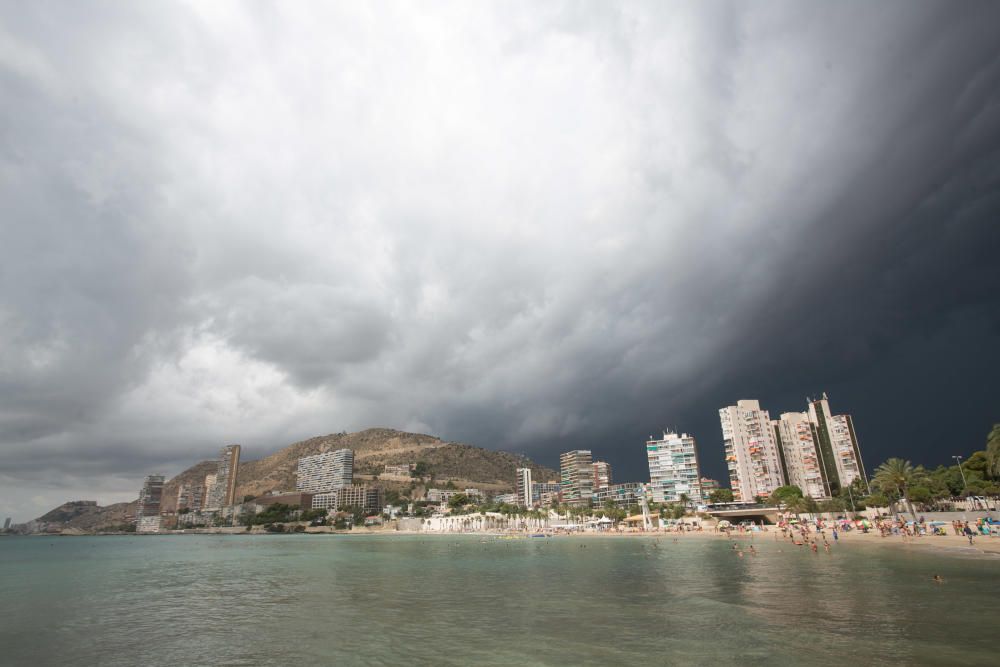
[85, 516]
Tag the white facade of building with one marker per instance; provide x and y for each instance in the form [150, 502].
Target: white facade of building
[803, 459]
[441, 495]
[223, 490]
[751, 451]
[837, 441]
[524, 487]
[148, 524]
[673, 468]
[325, 472]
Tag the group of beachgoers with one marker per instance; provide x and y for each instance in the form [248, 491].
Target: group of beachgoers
[893, 526]
[897, 526]
[800, 534]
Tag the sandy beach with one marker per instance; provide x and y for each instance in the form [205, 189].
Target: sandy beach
[954, 544]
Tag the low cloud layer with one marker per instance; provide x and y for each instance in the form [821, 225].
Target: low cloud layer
[530, 227]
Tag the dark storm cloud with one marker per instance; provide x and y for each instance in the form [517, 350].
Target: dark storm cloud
[524, 227]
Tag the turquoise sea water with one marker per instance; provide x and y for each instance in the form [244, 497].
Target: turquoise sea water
[438, 600]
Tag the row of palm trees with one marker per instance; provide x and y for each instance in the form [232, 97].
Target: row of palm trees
[900, 476]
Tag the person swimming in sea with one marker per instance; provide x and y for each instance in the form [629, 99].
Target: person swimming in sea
[938, 579]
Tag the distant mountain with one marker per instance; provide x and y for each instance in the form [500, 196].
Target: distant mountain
[460, 464]
[86, 516]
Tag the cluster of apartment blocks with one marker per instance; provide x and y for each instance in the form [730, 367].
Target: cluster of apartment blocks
[814, 450]
[582, 481]
[323, 481]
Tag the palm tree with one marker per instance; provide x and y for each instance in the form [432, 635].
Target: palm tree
[896, 474]
[993, 451]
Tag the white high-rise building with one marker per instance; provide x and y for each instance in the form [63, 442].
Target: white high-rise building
[524, 487]
[838, 443]
[751, 451]
[803, 459]
[223, 491]
[673, 468]
[210, 481]
[147, 513]
[326, 471]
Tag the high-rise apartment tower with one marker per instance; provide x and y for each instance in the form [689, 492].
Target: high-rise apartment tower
[147, 514]
[838, 443]
[223, 492]
[576, 477]
[752, 453]
[326, 472]
[802, 458]
[602, 475]
[524, 486]
[673, 468]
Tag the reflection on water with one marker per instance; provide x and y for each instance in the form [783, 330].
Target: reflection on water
[319, 600]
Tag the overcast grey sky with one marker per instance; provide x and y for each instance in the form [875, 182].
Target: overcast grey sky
[529, 226]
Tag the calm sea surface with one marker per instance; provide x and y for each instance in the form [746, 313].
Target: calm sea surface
[370, 600]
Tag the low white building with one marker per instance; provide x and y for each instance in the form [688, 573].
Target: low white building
[481, 522]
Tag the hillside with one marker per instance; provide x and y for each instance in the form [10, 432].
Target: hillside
[193, 475]
[445, 462]
[374, 448]
[85, 515]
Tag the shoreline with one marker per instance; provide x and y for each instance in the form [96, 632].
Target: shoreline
[954, 545]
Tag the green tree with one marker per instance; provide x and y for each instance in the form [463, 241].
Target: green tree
[458, 500]
[721, 496]
[784, 495]
[834, 505]
[993, 452]
[896, 475]
[920, 495]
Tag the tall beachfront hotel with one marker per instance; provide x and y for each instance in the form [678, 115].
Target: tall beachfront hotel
[752, 453]
[673, 468]
[326, 471]
[576, 477]
[839, 445]
[223, 491]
